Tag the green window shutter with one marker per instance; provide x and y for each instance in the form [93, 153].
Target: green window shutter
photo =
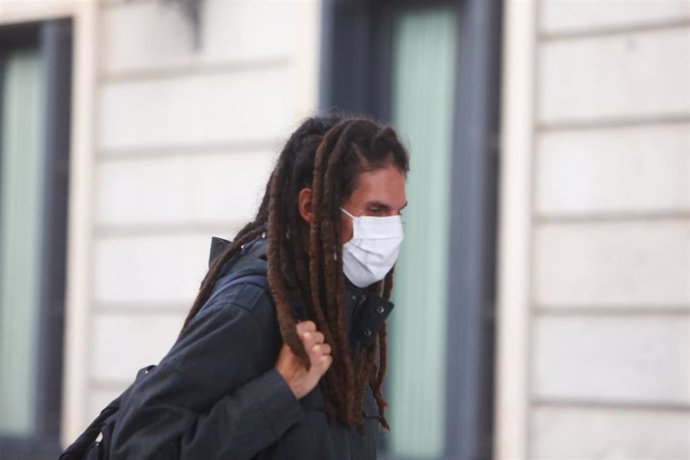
[423, 77]
[21, 201]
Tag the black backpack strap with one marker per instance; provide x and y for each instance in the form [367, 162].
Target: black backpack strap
[82, 446]
[78, 448]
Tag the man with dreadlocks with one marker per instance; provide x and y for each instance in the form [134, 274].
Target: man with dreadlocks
[283, 352]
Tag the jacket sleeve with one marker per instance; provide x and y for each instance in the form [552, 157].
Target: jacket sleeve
[216, 394]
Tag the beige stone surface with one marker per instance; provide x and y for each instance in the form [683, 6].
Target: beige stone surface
[124, 343]
[612, 359]
[192, 189]
[100, 398]
[558, 16]
[560, 432]
[244, 106]
[625, 76]
[636, 169]
[150, 271]
[618, 264]
[146, 36]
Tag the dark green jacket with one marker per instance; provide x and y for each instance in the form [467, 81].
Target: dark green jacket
[216, 394]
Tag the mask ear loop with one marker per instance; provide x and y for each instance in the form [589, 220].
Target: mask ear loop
[347, 213]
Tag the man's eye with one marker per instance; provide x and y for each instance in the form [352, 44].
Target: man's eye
[376, 212]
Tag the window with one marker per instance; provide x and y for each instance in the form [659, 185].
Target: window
[35, 61]
[423, 76]
[431, 69]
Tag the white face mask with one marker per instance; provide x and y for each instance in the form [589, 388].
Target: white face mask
[373, 249]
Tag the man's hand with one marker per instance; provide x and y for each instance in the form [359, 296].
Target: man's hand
[291, 368]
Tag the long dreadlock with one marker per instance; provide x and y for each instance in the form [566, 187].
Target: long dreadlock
[326, 154]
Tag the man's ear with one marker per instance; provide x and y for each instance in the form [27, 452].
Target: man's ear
[304, 204]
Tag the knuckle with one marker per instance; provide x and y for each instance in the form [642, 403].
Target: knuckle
[305, 326]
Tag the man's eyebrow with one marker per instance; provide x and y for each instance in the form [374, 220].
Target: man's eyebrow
[379, 204]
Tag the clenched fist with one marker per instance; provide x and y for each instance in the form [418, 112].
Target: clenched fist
[291, 368]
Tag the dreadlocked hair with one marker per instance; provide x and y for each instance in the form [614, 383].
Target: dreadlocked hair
[326, 154]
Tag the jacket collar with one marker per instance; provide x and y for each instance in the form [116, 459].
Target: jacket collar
[366, 312]
[257, 247]
[217, 247]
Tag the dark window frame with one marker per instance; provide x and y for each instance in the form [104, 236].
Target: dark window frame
[53, 39]
[355, 77]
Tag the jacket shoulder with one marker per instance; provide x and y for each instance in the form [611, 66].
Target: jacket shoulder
[246, 294]
[234, 334]
[244, 302]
